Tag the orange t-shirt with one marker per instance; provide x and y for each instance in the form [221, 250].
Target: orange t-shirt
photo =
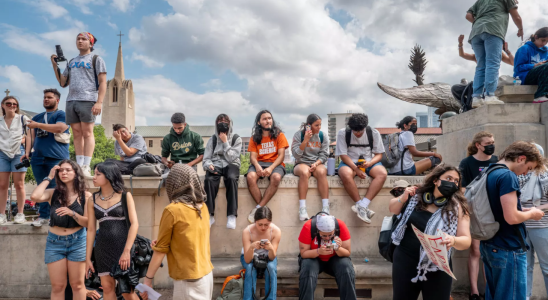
[268, 149]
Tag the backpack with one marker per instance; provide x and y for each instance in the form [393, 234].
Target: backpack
[463, 94]
[314, 233]
[151, 158]
[392, 154]
[321, 136]
[214, 140]
[233, 287]
[369, 133]
[93, 63]
[148, 169]
[389, 224]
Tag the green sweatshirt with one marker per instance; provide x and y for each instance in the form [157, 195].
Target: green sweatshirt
[184, 147]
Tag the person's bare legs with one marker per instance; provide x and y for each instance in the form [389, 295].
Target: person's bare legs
[303, 172]
[253, 187]
[19, 184]
[473, 266]
[89, 138]
[109, 287]
[379, 176]
[4, 185]
[275, 180]
[321, 177]
[58, 278]
[77, 274]
[423, 165]
[77, 138]
[347, 176]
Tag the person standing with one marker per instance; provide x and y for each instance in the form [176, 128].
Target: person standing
[310, 147]
[480, 156]
[50, 138]
[489, 20]
[86, 76]
[130, 147]
[505, 255]
[12, 131]
[222, 159]
[531, 64]
[181, 145]
[507, 56]
[184, 237]
[267, 147]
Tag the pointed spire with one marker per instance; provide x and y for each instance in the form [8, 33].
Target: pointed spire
[119, 73]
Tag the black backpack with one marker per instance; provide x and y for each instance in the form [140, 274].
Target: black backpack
[214, 140]
[314, 232]
[463, 94]
[93, 63]
[369, 133]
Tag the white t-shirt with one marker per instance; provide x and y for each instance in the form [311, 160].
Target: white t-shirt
[355, 152]
[10, 138]
[407, 138]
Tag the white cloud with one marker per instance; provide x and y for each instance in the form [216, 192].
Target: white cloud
[123, 5]
[50, 8]
[112, 25]
[23, 85]
[147, 61]
[120, 5]
[213, 84]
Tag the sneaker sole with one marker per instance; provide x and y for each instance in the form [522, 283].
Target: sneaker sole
[356, 211]
[303, 219]
[33, 225]
[14, 222]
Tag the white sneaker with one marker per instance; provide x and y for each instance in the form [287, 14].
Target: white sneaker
[540, 99]
[86, 170]
[231, 222]
[251, 217]
[493, 100]
[365, 214]
[325, 209]
[39, 222]
[303, 215]
[211, 220]
[3, 218]
[477, 102]
[19, 219]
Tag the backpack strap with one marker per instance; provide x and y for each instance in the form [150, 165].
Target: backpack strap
[321, 137]
[214, 141]
[124, 207]
[369, 133]
[68, 75]
[94, 64]
[234, 138]
[347, 134]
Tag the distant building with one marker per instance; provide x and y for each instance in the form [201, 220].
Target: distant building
[422, 119]
[336, 122]
[433, 119]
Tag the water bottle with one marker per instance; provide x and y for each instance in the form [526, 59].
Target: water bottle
[331, 165]
[517, 81]
[361, 161]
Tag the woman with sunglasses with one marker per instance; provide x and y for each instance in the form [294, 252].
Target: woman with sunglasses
[66, 241]
[436, 204]
[12, 131]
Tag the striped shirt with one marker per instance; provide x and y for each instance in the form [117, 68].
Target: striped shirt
[542, 223]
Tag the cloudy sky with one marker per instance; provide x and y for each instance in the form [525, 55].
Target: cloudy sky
[205, 57]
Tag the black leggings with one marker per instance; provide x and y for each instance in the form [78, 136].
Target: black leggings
[404, 268]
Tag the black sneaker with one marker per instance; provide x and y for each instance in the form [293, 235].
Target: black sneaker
[474, 297]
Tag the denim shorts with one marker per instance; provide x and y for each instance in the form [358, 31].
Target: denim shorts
[71, 247]
[342, 164]
[410, 171]
[8, 164]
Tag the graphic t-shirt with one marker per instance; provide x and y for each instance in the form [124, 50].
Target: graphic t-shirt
[470, 168]
[305, 237]
[268, 149]
[135, 141]
[355, 152]
[82, 80]
[407, 138]
[47, 146]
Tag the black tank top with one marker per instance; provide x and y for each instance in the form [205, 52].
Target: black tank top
[65, 221]
[410, 244]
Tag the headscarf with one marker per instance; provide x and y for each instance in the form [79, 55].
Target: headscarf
[183, 185]
[325, 223]
[91, 38]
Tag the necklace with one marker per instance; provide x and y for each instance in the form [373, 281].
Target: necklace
[106, 198]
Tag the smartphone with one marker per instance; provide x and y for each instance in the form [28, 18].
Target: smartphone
[308, 127]
[329, 246]
[263, 241]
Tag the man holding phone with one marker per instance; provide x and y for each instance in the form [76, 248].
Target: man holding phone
[222, 159]
[181, 144]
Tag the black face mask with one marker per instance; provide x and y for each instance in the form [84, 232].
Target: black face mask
[222, 127]
[447, 189]
[489, 149]
[397, 192]
[413, 128]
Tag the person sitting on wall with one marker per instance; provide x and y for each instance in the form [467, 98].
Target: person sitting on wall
[531, 66]
[181, 145]
[324, 244]
[408, 125]
[355, 143]
[130, 147]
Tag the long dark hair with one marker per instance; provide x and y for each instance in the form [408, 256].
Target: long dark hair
[428, 185]
[257, 131]
[404, 121]
[309, 121]
[78, 183]
[113, 175]
[541, 33]
[263, 213]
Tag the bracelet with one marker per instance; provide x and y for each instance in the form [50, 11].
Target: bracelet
[73, 214]
[149, 277]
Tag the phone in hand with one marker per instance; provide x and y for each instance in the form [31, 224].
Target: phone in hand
[263, 241]
[308, 128]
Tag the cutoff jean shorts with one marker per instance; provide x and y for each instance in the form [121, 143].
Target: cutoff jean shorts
[71, 247]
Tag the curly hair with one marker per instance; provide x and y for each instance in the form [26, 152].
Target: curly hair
[358, 121]
[527, 149]
[472, 149]
[257, 131]
[428, 185]
[78, 183]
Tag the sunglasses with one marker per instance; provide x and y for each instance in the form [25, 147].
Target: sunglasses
[10, 104]
[397, 192]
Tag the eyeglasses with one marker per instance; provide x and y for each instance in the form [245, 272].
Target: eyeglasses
[10, 104]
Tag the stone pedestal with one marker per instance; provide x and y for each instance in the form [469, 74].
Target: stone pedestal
[516, 94]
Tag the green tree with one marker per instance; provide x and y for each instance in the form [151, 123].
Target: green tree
[245, 162]
[104, 147]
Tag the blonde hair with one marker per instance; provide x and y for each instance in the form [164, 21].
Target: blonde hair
[472, 149]
[6, 99]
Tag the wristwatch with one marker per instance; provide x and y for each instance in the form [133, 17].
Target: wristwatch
[47, 178]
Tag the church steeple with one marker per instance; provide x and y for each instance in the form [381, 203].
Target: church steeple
[119, 73]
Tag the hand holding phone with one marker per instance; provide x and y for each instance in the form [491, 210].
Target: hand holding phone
[263, 241]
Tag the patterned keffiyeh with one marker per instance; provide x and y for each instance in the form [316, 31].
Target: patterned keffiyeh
[533, 187]
[447, 224]
[183, 185]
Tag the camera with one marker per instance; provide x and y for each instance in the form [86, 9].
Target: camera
[60, 55]
[41, 133]
[260, 262]
[24, 164]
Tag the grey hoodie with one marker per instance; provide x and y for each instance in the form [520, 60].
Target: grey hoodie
[223, 154]
[314, 150]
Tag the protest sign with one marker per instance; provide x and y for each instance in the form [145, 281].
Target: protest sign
[437, 253]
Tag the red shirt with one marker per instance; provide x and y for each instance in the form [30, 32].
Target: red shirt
[305, 238]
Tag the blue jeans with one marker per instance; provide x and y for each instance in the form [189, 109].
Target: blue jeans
[505, 271]
[537, 239]
[250, 282]
[411, 171]
[488, 51]
[41, 166]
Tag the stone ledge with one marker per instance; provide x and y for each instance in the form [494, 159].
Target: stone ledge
[516, 94]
